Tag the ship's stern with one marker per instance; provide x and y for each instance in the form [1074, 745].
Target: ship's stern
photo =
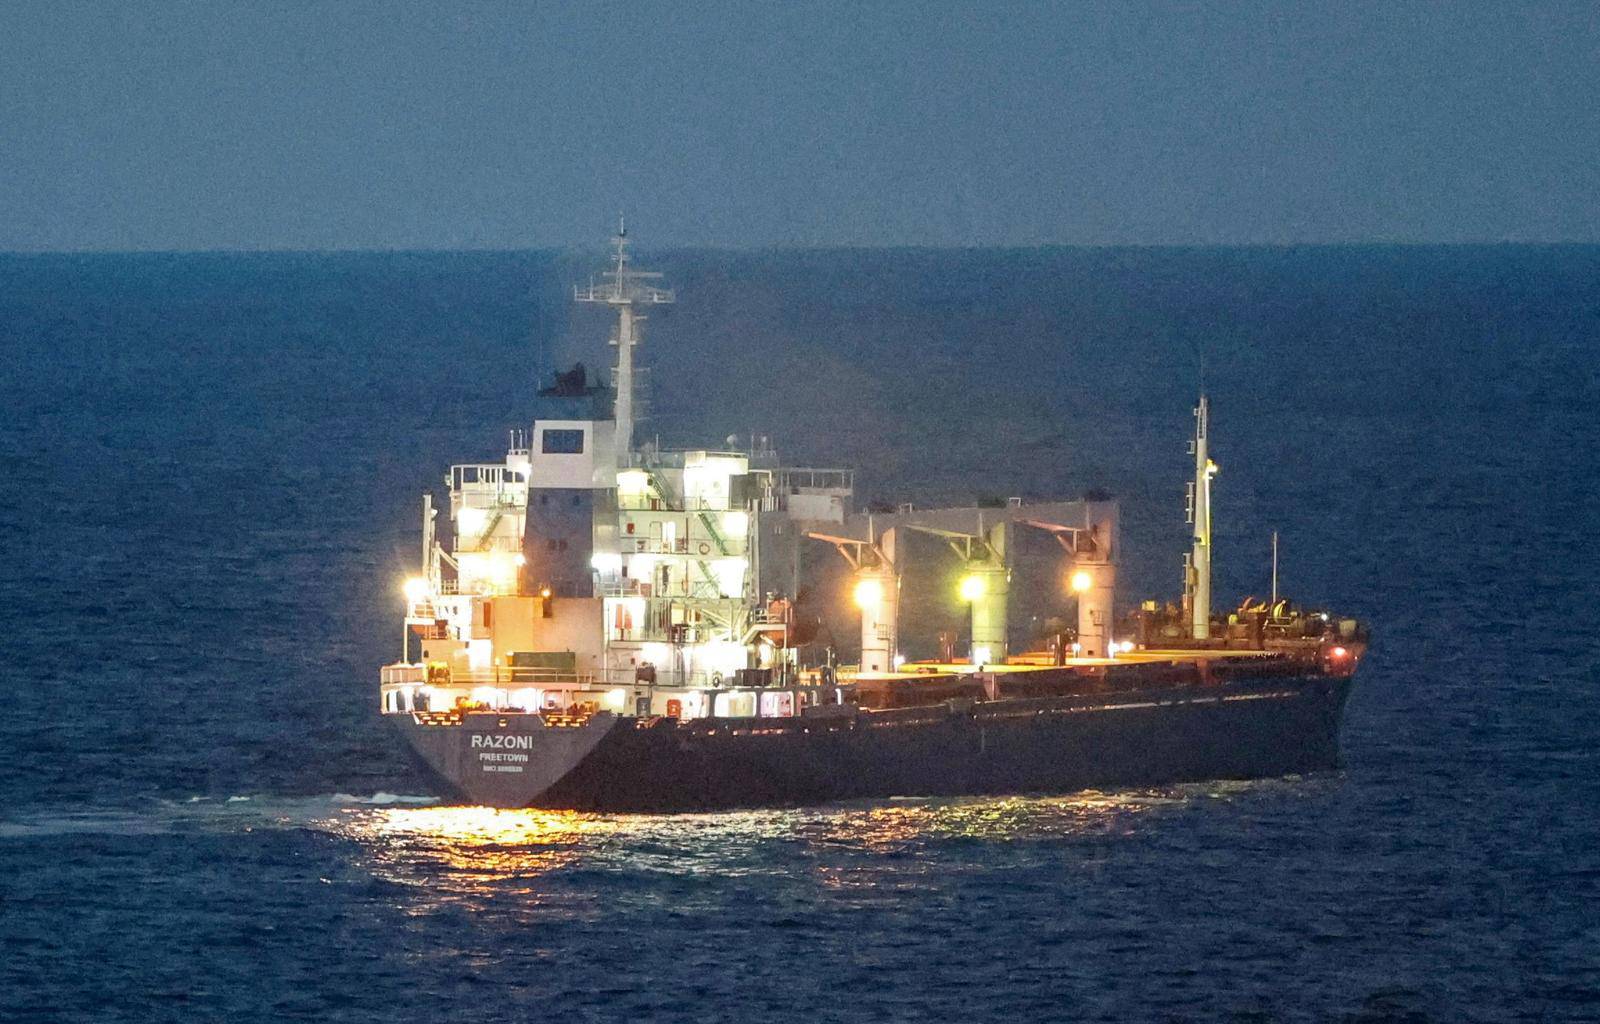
[500, 760]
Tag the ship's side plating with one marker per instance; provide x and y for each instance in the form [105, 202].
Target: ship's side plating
[1245, 730]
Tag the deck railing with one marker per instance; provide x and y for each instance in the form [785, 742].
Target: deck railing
[498, 676]
[651, 503]
[714, 547]
[390, 675]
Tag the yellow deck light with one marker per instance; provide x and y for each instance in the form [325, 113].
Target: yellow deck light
[973, 587]
[416, 590]
[1081, 581]
[868, 594]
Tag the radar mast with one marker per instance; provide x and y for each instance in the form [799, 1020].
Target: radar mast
[624, 288]
[1197, 589]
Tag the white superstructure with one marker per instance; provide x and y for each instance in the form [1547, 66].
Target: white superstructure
[581, 571]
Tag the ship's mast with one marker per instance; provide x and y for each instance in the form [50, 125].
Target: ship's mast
[1199, 574]
[623, 289]
[428, 570]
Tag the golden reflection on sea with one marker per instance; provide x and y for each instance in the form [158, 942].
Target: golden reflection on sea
[467, 850]
[992, 819]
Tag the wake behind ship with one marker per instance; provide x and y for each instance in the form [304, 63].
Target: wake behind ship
[613, 627]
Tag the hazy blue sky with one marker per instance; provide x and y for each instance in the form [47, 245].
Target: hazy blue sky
[179, 125]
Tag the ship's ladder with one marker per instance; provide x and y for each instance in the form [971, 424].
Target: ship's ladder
[664, 492]
[669, 500]
[722, 549]
[711, 528]
[501, 503]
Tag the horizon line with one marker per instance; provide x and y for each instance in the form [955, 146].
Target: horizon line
[799, 247]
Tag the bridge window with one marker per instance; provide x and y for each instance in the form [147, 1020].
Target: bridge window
[563, 442]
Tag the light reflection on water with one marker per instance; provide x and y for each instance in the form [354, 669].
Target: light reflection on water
[996, 819]
[469, 849]
[466, 852]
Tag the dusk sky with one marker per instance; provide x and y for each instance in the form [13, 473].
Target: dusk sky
[507, 125]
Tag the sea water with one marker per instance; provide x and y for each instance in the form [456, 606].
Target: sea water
[210, 472]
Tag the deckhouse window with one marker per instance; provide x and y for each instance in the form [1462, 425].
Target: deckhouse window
[563, 442]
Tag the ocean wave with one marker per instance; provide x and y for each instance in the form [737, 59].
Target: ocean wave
[164, 816]
[80, 824]
[382, 798]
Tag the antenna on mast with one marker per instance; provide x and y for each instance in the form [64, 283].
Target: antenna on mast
[623, 289]
[1274, 603]
[1197, 570]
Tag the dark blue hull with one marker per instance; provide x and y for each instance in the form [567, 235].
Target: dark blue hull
[1055, 744]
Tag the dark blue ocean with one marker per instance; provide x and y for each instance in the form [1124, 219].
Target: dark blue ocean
[209, 474]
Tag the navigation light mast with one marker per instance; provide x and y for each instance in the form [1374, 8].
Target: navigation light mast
[1198, 582]
[623, 289]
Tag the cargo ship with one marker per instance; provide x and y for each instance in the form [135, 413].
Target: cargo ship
[605, 625]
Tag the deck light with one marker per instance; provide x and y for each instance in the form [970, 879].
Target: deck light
[1081, 581]
[416, 589]
[973, 587]
[1338, 652]
[868, 594]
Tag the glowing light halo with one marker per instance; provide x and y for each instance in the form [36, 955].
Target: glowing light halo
[973, 587]
[868, 594]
